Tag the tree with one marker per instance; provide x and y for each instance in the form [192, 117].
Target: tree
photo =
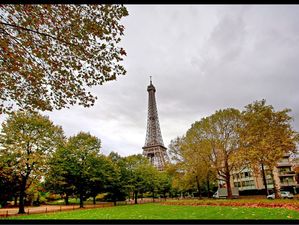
[152, 179]
[266, 136]
[77, 163]
[175, 150]
[58, 178]
[198, 158]
[9, 184]
[193, 159]
[179, 170]
[7, 187]
[164, 183]
[27, 141]
[140, 175]
[103, 173]
[217, 138]
[117, 185]
[50, 54]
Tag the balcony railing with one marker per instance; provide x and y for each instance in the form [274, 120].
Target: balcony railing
[251, 187]
[284, 164]
[286, 184]
[243, 179]
[286, 173]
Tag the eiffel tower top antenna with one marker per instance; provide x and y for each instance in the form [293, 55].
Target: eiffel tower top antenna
[150, 79]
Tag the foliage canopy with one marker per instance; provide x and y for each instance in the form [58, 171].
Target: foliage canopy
[51, 54]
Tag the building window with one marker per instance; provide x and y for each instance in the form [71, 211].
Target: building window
[285, 169]
[249, 183]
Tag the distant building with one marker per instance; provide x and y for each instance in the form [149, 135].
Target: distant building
[286, 175]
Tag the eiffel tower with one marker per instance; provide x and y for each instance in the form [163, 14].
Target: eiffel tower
[154, 147]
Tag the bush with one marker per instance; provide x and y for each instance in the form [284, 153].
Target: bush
[101, 197]
[52, 197]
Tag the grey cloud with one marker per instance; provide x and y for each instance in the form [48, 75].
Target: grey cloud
[202, 58]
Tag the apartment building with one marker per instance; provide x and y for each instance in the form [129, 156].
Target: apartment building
[285, 176]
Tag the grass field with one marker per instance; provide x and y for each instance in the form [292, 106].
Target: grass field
[154, 211]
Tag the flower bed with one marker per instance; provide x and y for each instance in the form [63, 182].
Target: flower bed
[287, 204]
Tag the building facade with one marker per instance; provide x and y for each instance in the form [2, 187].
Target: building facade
[285, 175]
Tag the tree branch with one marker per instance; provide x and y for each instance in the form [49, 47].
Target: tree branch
[37, 32]
[29, 53]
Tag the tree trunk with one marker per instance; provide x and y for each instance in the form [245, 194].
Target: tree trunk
[81, 200]
[136, 196]
[153, 196]
[208, 185]
[94, 200]
[228, 186]
[264, 179]
[227, 180]
[114, 199]
[22, 196]
[21, 204]
[16, 200]
[66, 199]
[198, 187]
[38, 199]
[276, 190]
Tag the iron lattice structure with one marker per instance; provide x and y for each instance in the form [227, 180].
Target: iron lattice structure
[154, 147]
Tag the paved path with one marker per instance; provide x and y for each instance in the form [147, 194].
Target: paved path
[4, 212]
[49, 208]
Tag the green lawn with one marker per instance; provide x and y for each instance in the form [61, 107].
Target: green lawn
[156, 211]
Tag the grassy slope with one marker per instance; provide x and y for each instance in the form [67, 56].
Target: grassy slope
[157, 211]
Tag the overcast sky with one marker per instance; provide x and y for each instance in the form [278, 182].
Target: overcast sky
[202, 58]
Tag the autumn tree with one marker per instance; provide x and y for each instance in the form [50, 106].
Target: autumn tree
[266, 136]
[50, 55]
[175, 150]
[217, 138]
[198, 156]
[193, 159]
[27, 141]
[179, 170]
[173, 174]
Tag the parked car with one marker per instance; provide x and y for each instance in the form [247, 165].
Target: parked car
[284, 194]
